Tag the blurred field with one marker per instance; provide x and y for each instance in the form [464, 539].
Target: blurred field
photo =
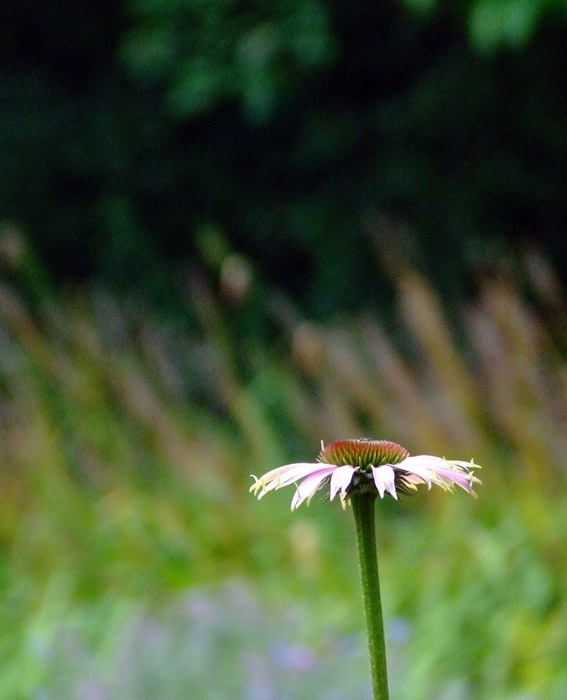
[134, 563]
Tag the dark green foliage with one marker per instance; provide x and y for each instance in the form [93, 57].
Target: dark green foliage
[292, 126]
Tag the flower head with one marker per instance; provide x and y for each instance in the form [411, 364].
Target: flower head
[364, 465]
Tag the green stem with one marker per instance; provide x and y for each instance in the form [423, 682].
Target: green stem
[364, 511]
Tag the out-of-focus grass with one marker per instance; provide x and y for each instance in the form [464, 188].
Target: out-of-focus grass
[126, 445]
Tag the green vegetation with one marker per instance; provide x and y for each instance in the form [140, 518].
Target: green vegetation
[126, 448]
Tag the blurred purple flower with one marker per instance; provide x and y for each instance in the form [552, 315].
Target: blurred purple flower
[295, 657]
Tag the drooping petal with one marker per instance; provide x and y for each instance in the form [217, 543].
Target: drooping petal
[411, 481]
[309, 486]
[463, 479]
[283, 476]
[414, 465]
[280, 471]
[440, 471]
[340, 480]
[384, 479]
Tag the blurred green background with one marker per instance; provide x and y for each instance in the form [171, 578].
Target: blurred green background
[229, 230]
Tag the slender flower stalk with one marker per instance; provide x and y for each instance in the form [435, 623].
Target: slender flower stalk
[363, 507]
[359, 471]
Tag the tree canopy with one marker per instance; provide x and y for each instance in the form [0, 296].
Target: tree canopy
[305, 132]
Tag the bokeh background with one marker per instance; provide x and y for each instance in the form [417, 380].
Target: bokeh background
[229, 230]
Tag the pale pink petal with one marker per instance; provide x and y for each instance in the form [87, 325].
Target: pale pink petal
[414, 465]
[441, 471]
[309, 486]
[384, 479]
[413, 478]
[462, 479]
[296, 472]
[280, 471]
[340, 480]
[283, 476]
[427, 461]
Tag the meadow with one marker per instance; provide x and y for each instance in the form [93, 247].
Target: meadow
[135, 564]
